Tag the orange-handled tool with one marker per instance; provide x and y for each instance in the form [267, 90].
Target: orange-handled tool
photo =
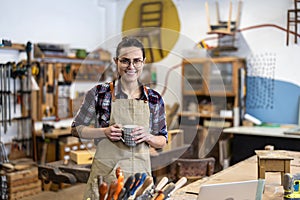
[161, 196]
[112, 189]
[118, 172]
[119, 187]
[102, 190]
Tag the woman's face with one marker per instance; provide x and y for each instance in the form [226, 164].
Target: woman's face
[130, 63]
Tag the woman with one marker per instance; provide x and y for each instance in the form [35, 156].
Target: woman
[110, 106]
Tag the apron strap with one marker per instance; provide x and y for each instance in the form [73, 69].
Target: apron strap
[112, 91]
[147, 92]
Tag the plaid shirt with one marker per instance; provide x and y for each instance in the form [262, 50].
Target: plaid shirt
[96, 108]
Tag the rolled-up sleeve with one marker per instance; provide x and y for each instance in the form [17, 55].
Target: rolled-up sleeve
[86, 113]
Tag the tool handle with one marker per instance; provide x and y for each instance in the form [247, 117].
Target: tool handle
[122, 193]
[139, 183]
[148, 181]
[179, 184]
[168, 189]
[102, 190]
[128, 186]
[161, 196]
[119, 186]
[162, 183]
[112, 189]
[118, 172]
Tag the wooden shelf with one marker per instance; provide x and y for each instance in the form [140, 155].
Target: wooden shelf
[15, 46]
[201, 115]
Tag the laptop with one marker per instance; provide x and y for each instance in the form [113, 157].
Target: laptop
[243, 190]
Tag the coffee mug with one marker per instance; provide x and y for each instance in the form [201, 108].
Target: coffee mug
[127, 138]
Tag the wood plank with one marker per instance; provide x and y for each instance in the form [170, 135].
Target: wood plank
[22, 174]
[26, 180]
[25, 187]
[19, 195]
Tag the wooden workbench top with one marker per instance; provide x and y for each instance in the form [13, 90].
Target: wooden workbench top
[56, 133]
[242, 171]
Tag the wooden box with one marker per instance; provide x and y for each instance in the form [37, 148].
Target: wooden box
[82, 156]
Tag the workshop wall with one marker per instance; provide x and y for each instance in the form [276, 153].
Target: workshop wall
[262, 41]
[86, 24]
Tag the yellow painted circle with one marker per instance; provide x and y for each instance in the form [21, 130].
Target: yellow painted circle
[170, 26]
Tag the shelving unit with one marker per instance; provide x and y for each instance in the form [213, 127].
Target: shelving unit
[56, 75]
[212, 96]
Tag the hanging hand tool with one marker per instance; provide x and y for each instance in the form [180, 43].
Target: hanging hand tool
[9, 92]
[14, 76]
[143, 189]
[2, 94]
[5, 97]
[28, 49]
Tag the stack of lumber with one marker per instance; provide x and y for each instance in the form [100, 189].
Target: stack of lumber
[22, 180]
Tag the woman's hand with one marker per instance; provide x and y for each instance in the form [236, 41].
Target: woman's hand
[140, 134]
[114, 132]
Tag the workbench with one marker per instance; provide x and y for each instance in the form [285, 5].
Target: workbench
[246, 140]
[54, 171]
[54, 137]
[242, 171]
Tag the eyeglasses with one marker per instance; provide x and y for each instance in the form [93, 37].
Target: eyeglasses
[125, 62]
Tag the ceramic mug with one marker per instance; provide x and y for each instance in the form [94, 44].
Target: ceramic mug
[127, 138]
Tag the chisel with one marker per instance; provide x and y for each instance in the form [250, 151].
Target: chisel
[148, 181]
[120, 185]
[160, 186]
[166, 191]
[128, 186]
[179, 184]
[112, 189]
[138, 177]
[102, 188]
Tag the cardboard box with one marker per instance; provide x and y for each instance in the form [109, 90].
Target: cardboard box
[82, 156]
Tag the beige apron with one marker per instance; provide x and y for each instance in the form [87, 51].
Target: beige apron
[111, 155]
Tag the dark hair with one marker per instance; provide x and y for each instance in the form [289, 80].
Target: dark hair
[130, 42]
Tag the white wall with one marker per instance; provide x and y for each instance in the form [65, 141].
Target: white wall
[79, 23]
[257, 41]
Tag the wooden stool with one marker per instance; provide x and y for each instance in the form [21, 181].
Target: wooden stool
[273, 161]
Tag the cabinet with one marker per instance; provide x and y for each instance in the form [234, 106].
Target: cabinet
[213, 95]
